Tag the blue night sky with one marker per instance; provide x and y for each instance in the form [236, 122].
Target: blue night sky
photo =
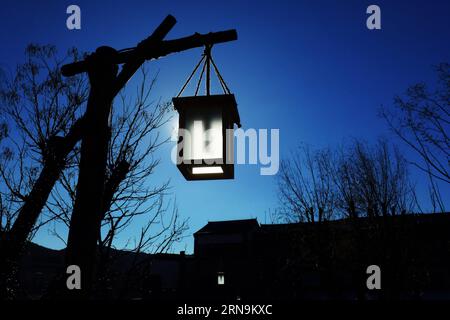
[309, 68]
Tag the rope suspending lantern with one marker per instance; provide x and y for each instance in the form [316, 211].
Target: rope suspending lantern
[206, 123]
[207, 61]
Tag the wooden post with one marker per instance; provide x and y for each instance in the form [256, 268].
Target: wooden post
[85, 222]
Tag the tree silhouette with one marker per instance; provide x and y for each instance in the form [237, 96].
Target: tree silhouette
[43, 113]
[42, 123]
[306, 186]
[381, 179]
[422, 120]
[350, 181]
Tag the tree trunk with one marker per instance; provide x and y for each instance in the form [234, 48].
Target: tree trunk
[12, 244]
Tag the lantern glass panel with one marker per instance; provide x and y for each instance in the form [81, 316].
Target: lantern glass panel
[205, 130]
[220, 278]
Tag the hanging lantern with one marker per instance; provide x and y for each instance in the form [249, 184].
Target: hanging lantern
[205, 133]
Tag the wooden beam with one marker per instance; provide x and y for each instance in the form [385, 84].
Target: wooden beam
[158, 50]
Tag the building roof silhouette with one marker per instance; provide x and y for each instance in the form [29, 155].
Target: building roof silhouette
[230, 226]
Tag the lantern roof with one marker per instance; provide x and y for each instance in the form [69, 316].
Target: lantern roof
[225, 101]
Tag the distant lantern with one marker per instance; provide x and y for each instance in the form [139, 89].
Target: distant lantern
[206, 124]
[220, 278]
